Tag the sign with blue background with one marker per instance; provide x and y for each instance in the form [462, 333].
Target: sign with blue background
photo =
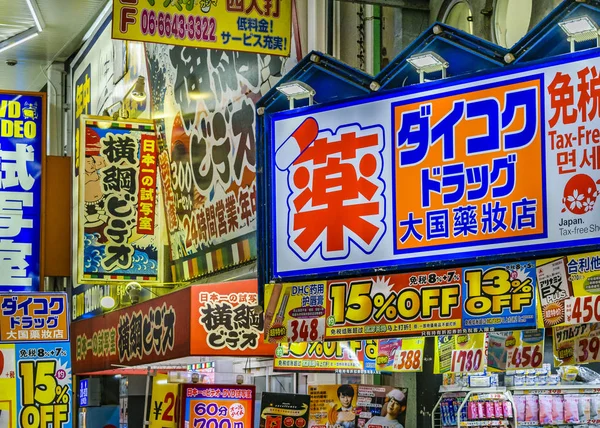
[22, 148]
[83, 393]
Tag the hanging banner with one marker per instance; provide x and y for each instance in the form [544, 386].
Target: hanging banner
[485, 168]
[44, 385]
[279, 410]
[343, 356]
[34, 317]
[578, 344]
[357, 406]
[500, 296]
[400, 355]
[240, 25]
[22, 156]
[217, 405]
[516, 350]
[462, 353]
[224, 321]
[117, 234]
[163, 407]
[295, 312]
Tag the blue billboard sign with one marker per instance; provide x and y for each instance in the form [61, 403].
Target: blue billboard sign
[22, 154]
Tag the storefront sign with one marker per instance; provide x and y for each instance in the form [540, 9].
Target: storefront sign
[219, 406]
[22, 155]
[117, 209]
[578, 344]
[284, 410]
[83, 393]
[165, 396]
[400, 355]
[34, 317]
[355, 406]
[479, 168]
[225, 322]
[461, 353]
[151, 331]
[44, 393]
[343, 356]
[239, 25]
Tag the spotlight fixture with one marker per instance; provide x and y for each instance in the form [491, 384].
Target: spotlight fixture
[428, 62]
[296, 90]
[580, 29]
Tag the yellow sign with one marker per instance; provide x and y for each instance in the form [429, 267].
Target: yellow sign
[325, 356]
[400, 355]
[516, 350]
[238, 25]
[577, 344]
[461, 353]
[163, 409]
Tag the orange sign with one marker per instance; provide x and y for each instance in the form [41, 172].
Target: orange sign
[34, 317]
[224, 320]
[475, 158]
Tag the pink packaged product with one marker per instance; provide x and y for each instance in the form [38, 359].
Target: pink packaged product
[532, 409]
[490, 411]
[498, 409]
[507, 409]
[472, 410]
[520, 405]
[545, 403]
[481, 409]
[571, 406]
[558, 411]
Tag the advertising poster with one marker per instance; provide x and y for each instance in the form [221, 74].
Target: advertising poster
[577, 344]
[485, 168]
[117, 231]
[284, 410]
[500, 296]
[241, 25]
[34, 317]
[44, 388]
[516, 350]
[224, 321]
[8, 386]
[395, 305]
[163, 407]
[22, 154]
[357, 406]
[461, 353]
[295, 312]
[400, 355]
[217, 405]
[343, 356]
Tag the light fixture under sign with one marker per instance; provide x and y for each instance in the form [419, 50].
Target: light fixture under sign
[580, 29]
[428, 62]
[296, 90]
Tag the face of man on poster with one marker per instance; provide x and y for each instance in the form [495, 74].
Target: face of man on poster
[392, 413]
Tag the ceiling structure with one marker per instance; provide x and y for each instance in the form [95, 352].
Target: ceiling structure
[65, 22]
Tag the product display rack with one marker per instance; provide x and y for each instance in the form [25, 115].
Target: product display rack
[467, 394]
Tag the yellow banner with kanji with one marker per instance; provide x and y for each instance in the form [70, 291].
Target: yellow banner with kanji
[261, 26]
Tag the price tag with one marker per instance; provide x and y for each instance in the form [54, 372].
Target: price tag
[525, 357]
[164, 403]
[587, 349]
[467, 360]
[582, 310]
[408, 360]
[306, 330]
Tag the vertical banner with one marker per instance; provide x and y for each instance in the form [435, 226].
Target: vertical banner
[22, 156]
[220, 406]
[284, 410]
[44, 392]
[342, 356]
[163, 405]
[117, 234]
[461, 353]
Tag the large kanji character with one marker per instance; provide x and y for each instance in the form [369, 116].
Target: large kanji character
[562, 100]
[120, 147]
[253, 5]
[271, 8]
[526, 99]
[492, 217]
[13, 167]
[437, 224]
[11, 213]
[241, 317]
[135, 336]
[465, 220]
[411, 224]
[524, 214]
[123, 342]
[453, 176]
[217, 316]
[242, 124]
[507, 164]
[13, 263]
[490, 142]
[119, 179]
[235, 5]
[480, 176]
[221, 221]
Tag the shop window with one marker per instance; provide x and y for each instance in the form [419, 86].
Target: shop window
[458, 15]
[283, 383]
[511, 21]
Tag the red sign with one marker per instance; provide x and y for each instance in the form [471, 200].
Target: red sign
[156, 330]
[147, 186]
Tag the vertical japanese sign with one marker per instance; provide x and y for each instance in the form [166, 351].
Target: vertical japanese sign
[34, 317]
[44, 388]
[224, 321]
[469, 168]
[22, 155]
[118, 192]
[284, 410]
[220, 406]
[262, 26]
[163, 410]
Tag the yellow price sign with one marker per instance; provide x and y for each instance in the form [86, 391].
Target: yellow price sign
[165, 397]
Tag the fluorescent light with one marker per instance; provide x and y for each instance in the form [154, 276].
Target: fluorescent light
[297, 90]
[580, 29]
[12, 44]
[90, 32]
[428, 62]
[37, 16]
